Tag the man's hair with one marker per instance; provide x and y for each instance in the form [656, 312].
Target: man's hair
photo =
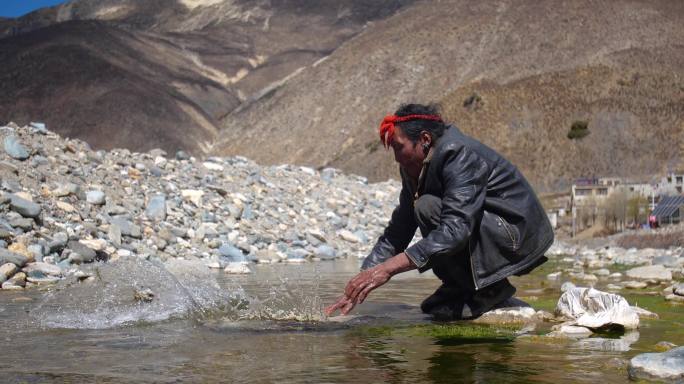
[413, 128]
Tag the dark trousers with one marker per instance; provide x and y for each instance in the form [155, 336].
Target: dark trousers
[457, 298]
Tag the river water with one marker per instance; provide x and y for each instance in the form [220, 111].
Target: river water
[203, 326]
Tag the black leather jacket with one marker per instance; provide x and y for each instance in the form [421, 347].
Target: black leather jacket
[490, 215]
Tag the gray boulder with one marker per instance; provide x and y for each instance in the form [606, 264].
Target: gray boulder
[59, 241]
[325, 252]
[668, 261]
[127, 228]
[86, 254]
[233, 254]
[15, 149]
[667, 366]
[95, 197]
[156, 208]
[39, 128]
[650, 272]
[24, 207]
[11, 257]
[678, 289]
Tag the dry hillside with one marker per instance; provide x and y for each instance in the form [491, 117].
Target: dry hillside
[307, 82]
[161, 73]
[537, 65]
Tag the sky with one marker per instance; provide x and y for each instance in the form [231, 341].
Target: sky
[15, 8]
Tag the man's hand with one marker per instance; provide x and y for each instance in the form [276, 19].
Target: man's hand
[358, 289]
[362, 284]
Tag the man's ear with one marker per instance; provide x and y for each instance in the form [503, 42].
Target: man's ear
[425, 138]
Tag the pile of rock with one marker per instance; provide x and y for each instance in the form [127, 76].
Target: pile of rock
[63, 204]
[618, 269]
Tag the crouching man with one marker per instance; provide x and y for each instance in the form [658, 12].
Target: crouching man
[480, 220]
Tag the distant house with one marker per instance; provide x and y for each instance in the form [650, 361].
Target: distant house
[670, 210]
[593, 189]
[673, 183]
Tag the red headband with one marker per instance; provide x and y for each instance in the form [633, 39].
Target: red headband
[387, 126]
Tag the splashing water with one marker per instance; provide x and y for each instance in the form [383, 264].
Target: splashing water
[132, 290]
[288, 298]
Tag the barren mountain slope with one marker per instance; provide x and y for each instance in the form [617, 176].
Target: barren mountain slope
[110, 87]
[435, 51]
[159, 73]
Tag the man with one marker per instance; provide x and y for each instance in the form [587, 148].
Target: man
[480, 220]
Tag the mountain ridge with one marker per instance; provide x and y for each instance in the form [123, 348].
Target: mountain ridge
[288, 82]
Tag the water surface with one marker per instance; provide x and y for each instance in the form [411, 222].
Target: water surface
[205, 326]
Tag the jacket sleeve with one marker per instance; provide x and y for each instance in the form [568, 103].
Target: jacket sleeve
[464, 181]
[398, 233]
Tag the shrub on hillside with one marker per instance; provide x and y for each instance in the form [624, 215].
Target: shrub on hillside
[473, 101]
[578, 130]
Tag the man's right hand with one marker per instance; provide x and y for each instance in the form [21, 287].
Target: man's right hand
[363, 283]
[344, 304]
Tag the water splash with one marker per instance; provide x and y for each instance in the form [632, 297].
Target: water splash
[292, 295]
[132, 290]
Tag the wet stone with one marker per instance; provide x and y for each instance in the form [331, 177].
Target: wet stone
[664, 346]
[635, 284]
[570, 331]
[667, 366]
[675, 298]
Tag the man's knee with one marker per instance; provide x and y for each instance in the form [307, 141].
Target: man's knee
[427, 210]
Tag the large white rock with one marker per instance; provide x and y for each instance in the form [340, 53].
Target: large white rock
[650, 272]
[594, 309]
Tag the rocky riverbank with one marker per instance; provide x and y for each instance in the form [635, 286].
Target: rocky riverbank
[64, 204]
[619, 270]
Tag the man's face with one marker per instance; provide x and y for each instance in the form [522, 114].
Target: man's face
[409, 155]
